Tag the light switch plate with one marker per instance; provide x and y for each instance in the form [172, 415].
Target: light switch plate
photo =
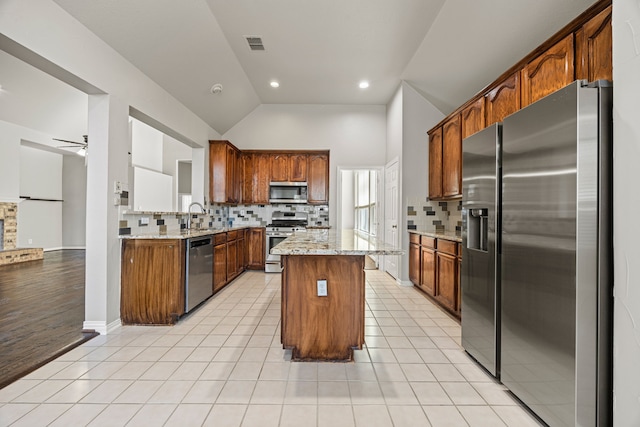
[322, 288]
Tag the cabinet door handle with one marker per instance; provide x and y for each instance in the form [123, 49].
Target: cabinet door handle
[131, 260]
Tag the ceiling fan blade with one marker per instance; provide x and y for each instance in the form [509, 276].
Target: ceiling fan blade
[70, 142]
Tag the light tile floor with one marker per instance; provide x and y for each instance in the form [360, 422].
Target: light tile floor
[223, 365]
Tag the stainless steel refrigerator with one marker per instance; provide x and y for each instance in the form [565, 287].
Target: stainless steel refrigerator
[556, 255]
[480, 275]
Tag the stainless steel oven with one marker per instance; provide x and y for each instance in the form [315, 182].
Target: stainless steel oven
[283, 225]
[272, 263]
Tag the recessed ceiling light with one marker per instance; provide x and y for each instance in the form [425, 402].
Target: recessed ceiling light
[364, 84]
[274, 84]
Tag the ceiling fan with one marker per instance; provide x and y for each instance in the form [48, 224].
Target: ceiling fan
[82, 145]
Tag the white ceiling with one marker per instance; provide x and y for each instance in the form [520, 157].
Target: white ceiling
[319, 50]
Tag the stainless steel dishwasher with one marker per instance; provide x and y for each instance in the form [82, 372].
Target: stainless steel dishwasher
[199, 266]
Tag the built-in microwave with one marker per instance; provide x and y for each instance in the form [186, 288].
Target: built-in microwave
[288, 192]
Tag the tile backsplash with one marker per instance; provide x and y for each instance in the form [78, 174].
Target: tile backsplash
[218, 216]
[434, 216]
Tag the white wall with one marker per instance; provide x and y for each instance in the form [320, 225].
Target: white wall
[40, 222]
[394, 127]
[347, 202]
[626, 149]
[146, 146]
[153, 191]
[74, 194]
[409, 117]
[355, 134]
[82, 59]
[172, 151]
[418, 116]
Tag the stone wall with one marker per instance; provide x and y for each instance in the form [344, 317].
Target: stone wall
[9, 217]
[9, 254]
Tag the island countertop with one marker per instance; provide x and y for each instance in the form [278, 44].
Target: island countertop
[330, 242]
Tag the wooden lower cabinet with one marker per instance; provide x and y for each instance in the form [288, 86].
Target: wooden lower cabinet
[446, 291]
[428, 270]
[152, 281]
[255, 248]
[219, 266]
[436, 271]
[241, 252]
[414, 262]
[232, 260]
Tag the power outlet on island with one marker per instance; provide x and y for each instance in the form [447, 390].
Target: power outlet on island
[322, 288]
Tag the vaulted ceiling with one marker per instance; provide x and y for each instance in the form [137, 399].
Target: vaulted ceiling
[319, 50]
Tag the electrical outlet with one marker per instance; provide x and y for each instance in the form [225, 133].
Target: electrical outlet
[144, 220]
[242, 212]
[322, 288]
[117, 187]
[30, 241]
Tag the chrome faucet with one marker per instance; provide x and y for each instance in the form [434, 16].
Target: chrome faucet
[189, 212]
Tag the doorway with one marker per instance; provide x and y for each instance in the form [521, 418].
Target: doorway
[360, 202]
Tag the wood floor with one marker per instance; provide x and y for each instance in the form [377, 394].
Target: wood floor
[41, 311]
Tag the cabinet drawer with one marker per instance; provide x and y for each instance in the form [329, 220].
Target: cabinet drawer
[232, 235]
[427, 241]
[447, 246]
[414, 238]
[219, 238]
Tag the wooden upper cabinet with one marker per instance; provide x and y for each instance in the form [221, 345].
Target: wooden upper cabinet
[503, 99]
[298, 167]
[550, 71]
[248, 170]
[256, 174]
[224, 172]
[435, 163]
[318, 179]
[261, 177]
[452, 157]
[594, 48]
[289, 167]
[473, 118]
[280, 167]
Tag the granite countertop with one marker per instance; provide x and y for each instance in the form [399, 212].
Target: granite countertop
[183, 234]
[447, 235]
[329, 242]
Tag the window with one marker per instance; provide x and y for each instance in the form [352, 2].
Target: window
[365, 201]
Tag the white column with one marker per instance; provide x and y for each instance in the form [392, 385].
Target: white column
[626, 205]
[199, 164]
[108, 162]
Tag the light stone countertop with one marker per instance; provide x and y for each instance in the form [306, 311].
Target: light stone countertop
[183, 234]
[447, 235]
[330, 242]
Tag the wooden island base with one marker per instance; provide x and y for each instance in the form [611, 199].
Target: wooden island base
[323, 327]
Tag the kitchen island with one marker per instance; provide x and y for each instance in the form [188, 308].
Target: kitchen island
[323, 292]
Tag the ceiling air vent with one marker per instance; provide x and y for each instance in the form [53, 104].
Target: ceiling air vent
[255, 42]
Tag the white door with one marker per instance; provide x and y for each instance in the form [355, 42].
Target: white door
[391, 215]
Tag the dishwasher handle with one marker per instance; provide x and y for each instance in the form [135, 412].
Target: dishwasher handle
[200, 242]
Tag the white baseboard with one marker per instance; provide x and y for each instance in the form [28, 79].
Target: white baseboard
[62, 248]
[405, 282]
[114, 325]
[101, 327]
